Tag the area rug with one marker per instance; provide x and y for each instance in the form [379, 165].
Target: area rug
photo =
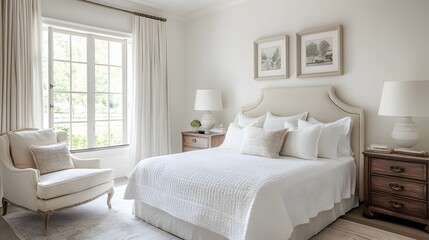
[95, 221]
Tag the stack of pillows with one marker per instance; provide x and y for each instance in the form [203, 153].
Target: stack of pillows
[39, 150]
[272, 136]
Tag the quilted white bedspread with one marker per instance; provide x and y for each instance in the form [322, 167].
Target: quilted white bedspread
[241, 196]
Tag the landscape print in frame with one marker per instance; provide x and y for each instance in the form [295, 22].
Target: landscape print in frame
[271, 58]
[319, 52]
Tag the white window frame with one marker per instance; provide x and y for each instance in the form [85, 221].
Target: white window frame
[91, 83]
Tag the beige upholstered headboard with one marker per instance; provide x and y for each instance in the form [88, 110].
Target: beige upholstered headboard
[322, 104]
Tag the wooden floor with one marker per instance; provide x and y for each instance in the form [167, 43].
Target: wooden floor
[388, 223]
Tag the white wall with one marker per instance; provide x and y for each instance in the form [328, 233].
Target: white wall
[384, 40]
[91, 15]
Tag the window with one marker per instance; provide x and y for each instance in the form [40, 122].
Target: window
[85, 77]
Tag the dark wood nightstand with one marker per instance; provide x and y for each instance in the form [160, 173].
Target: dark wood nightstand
[195, 141]
[397, 185]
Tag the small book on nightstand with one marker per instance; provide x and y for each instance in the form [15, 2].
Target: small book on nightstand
[379, 148]
[408, 151]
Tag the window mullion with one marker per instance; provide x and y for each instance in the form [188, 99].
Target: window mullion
[91, 91]
[51, 78]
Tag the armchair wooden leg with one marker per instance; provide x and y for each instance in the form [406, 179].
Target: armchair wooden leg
[109, 197]
[4, 202]
[45, 216]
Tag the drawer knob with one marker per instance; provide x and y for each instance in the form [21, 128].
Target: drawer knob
[396, 187]
[396, 205]
[194, 140]
[397, 169]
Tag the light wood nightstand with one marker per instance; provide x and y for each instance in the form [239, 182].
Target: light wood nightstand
[397, 185]
[195, 141]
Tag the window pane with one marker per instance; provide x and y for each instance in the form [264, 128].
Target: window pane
[61, 46]
[115, 106]
[101, 134]
[61, 76]
[64, 127]
[101, 106]
[79, 136]
[79, 73]
[116, 53]
[45, 78]
[79, 106]
[115, 132]
[101, 78]
[78, 48]
[101, 51]
[61, 107]
[116, 79]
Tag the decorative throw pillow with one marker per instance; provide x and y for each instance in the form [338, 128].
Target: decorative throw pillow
[243, 120]
[234, 136]
[344, 144]
[20, 141]
[273, 122]
[261, 142]
[52, 158]
[302, 143]
[329, 138]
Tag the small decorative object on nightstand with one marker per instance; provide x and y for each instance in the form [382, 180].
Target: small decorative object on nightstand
[194, 141]
[397, 185]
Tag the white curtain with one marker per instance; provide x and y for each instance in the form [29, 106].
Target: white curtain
[20, 65]
[150, 131]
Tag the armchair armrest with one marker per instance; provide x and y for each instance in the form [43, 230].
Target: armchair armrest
[20, 185]
[86, 163]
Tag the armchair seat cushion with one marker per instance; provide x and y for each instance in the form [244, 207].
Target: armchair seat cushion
[56, 184]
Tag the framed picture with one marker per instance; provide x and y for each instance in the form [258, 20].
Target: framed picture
[319, 52]
[271, 58]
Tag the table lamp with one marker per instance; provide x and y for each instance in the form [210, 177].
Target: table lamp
[405, 99]
[208, 100]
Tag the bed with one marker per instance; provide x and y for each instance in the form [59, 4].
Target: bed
[222, 194]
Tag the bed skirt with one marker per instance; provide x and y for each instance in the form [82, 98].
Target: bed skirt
[185, 230]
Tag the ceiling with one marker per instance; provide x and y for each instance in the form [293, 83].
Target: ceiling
[182, 7]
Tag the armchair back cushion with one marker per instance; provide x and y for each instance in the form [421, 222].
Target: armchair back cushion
[52, 158]
[21, 141]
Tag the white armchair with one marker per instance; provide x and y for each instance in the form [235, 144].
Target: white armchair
[50, 192]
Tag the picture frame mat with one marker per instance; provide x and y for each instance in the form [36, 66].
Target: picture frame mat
[265, 45]
[285, 57]
[325, 68]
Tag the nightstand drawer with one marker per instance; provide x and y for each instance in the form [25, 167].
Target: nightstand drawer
[398, 168]
[399, 187]
[195, 142]
[399, 204]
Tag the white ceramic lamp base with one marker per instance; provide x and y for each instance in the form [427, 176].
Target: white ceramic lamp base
[207, 121]
[404, 133]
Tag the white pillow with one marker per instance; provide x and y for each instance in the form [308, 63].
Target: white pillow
[344, 145]
[261, 142]
[234, 136]
[243, 120]
[302, 143]
[52, 158]
[329, 138]
[273, 122]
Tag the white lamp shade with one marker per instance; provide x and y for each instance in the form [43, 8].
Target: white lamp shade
[208, 100]
[405, 99]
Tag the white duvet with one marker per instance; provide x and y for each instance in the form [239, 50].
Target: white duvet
[241, 196]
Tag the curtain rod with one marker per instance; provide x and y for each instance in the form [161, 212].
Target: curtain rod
[123, 10]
